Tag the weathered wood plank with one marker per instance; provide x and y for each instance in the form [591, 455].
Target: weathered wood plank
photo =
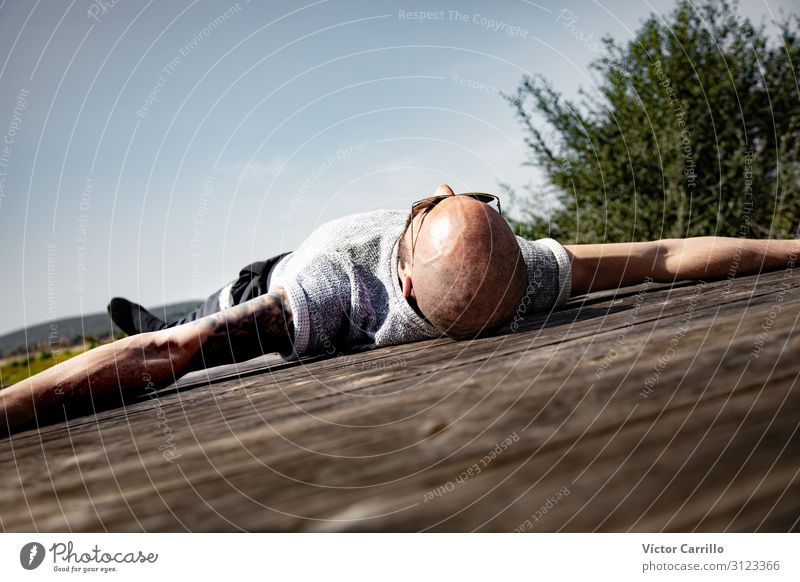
[358, 442]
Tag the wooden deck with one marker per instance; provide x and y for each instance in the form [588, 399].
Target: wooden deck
[649, 409]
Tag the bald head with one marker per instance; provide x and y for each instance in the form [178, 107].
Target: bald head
[468, 272]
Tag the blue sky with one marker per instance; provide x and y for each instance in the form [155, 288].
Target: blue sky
[152, 149]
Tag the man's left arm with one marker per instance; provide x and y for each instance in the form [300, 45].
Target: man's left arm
[109, 373]
[609, 266]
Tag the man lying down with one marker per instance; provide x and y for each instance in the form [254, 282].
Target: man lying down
[452, 267]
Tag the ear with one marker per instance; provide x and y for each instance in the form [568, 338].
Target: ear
[408, 287]
[444, 190]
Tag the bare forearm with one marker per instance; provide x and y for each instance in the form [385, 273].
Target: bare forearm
[607, 266]
[718, 257]
[153, 359]
[104, 373]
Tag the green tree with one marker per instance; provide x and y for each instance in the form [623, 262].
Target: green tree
[692, 129]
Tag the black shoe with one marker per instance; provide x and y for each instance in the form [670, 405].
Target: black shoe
[133, 318]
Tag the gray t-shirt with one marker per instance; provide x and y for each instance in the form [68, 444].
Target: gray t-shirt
[343, 287]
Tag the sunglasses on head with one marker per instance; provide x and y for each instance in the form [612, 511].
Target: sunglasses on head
[431, 201]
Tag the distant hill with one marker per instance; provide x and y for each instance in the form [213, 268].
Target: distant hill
[71, 330]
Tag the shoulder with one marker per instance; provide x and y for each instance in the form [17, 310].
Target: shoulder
[546, 247]
[549, 266]
[361, 219]
[353, 236]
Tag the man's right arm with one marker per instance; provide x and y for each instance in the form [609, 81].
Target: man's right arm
[608, 266]
[113, 371]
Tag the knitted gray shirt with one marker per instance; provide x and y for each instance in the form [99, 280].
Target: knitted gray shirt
[344, 292]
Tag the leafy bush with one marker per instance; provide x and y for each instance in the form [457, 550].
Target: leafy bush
[693, 130]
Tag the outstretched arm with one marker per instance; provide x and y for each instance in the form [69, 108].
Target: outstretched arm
[105, 375]
[608, 266]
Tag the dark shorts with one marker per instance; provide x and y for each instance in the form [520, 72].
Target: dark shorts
[253, 280]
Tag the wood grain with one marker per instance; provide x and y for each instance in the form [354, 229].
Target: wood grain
[657, 408]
